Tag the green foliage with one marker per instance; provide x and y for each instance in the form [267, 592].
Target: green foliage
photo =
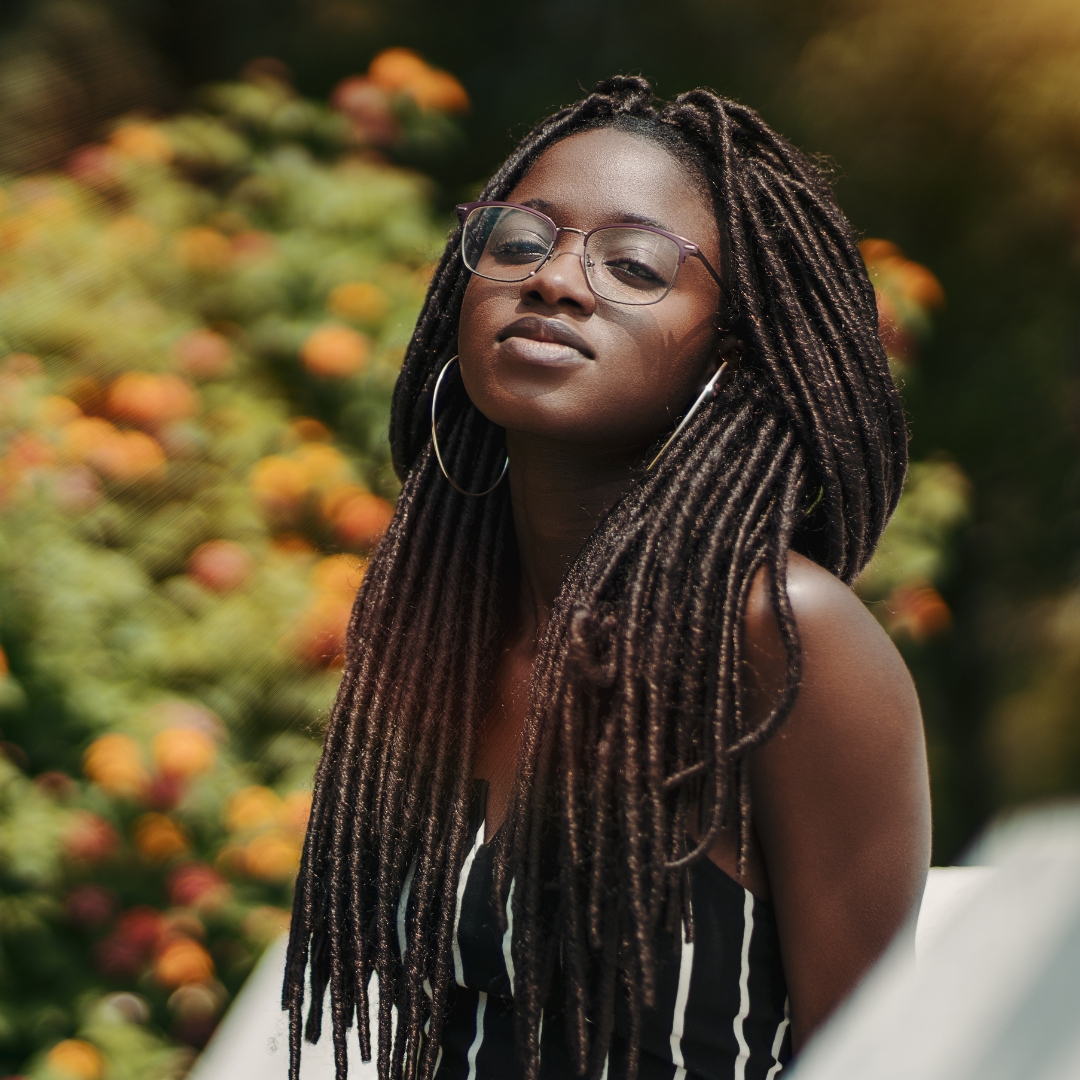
[202, 322]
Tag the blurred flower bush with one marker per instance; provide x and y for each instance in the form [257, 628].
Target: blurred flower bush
[201, 320]
[913, 557]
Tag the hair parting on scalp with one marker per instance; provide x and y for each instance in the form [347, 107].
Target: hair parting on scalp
[637, 732]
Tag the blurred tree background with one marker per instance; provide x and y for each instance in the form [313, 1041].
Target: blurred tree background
[268, 252]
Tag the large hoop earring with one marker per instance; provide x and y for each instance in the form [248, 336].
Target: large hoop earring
[435, 441]
[723, 376]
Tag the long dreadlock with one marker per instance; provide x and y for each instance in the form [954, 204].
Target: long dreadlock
[639, 684]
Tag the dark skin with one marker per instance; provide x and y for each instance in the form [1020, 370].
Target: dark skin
[840, 836]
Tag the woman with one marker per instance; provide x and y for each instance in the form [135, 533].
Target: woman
[622, 779]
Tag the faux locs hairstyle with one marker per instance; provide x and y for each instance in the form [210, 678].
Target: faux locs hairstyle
[637, 732]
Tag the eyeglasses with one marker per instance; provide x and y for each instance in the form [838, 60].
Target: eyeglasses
[627, 264]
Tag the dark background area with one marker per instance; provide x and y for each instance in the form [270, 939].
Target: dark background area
[954, 131]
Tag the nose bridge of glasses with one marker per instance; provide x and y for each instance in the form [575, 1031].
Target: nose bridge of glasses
[558, 250]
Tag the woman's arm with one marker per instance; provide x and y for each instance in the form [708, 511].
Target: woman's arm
[841, 800]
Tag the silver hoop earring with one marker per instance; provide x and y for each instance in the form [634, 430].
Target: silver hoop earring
[435, 441]
[723, 375]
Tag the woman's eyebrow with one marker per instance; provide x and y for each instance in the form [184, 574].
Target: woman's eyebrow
[620, 218]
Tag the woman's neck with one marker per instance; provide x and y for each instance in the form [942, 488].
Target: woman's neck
[559, 494]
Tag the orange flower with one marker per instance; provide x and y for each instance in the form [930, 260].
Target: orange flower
[114, 762]
[402, 70]
[325, 465]
[252, 808]
[159, 838]
[917, 612]
[279, 483]
[184, 752]
[221, 565]
[272, 856]
[438, 90]
[362, 519]
[204, 249]
[151, 400]
[134, 455]
[75, 1059]
[919, 285]
[141, 142]
[358, 300]
[320, 636]
[394, 69]
[339, 574]
[308, 429]
[181, 962]
[118, 455]
[335, 352]
[295, 811]
[911, 279]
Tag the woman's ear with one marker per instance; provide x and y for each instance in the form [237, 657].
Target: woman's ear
[731, 350]
[728, 357]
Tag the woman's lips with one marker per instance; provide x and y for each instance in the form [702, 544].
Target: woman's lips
[532, 351]
[537, 340]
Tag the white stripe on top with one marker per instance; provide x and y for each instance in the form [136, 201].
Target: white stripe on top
[778, 1042]
[478, 1038]
[403, 904]
[744, 987]
[508, 958]
[678, 1020]
[463, 881]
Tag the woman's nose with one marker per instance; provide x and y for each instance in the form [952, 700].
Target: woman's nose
[561, 281]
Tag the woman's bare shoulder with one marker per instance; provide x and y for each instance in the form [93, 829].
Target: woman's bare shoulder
[840, 792]
[839, 637]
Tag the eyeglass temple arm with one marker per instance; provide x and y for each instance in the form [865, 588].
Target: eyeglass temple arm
[696, 251]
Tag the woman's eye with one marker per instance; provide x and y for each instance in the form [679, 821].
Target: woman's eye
[520, 248]
[633, 271]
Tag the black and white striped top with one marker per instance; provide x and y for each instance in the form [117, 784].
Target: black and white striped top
[722, 1012]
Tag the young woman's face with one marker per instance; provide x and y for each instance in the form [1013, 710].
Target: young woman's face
[624, 374]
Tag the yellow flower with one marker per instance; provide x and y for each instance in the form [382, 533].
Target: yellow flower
[114, 763]
[272, 856]
[75, 1059]
[204, 249]
[339, 574]
[251, 808]
[279, 483]
[335, 352]
[358, 300]
[141, 142]
[183, 961]
[159, 838]
[295, 811]
[326, 466]
[184, 752]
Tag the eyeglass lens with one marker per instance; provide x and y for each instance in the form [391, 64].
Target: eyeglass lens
[622, 263]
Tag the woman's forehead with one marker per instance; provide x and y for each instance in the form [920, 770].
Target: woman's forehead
[596, 177]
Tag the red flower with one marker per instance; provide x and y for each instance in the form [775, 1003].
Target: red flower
[89, 838]
[126, 952]
[90, 906]
[196, 885]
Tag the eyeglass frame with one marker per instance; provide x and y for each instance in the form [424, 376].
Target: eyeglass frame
[686, 247]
